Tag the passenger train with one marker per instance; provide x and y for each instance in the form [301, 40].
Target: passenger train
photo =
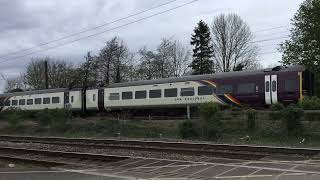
[258, 88]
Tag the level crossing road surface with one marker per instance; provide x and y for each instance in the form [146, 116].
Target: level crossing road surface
[269, 168]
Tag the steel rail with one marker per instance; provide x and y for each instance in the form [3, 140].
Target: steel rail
[234, 151]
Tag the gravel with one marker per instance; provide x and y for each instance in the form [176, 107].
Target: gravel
[107, 151]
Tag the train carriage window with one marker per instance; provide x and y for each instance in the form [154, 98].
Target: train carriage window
[14, 102]
[71, 99]
[46, 100]
[22, 102]
[141, 94]
[274, 86]
[94, 97]
[187, 91]
[114, 96]
[225, 89]
[171, 92]
[55, 100]
[37, 101]
[7, 103]
[246, 88]
[29, 101]
[127, 95]
[291, 85]
[155, 93]
[205, 90]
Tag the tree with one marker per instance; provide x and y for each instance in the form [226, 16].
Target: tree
[105, 59]
[181, 57]
[146, 68]
[232, 44]
[15, 84]
[303, 47]
[202, 52]
[59, 73]
[112, 61]
[86, 74]
[171, 59]
[120, 65]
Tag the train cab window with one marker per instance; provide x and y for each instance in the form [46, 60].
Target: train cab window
[171, 92]
[246, 88]
[225, 89]
[94, 97]
[274, 86]
[141, 94]
[127, 95]
[291, 85]
[155, 93]
[187, 91]
[46, 100]
[114, 96]
[29, 101]
[7, 103]
[71, 99]
[22, 102]
[55, 100]
[37, 101]
[14, 102]
[205, 90]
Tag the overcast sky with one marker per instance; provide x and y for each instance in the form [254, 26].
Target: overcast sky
[28, 23]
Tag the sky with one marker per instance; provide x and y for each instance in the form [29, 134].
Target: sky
[26, 24]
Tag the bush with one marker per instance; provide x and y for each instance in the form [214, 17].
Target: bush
[214, 129]
[277, 107]
[56, 119]
[208, 110]
[292, 119]
[251, 119]
[14, 117]
[187, 130]
[310, 103]
[212, 125]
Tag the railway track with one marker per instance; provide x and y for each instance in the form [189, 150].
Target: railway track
[56, 158]
[216, 150]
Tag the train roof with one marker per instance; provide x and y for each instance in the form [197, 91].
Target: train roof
[208, 76]
[44, 91]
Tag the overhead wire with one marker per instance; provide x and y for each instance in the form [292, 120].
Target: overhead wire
[87, 30]
[98, 33]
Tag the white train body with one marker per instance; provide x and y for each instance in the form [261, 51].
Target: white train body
[174, 99]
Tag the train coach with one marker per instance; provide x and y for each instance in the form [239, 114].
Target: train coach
[258, 88]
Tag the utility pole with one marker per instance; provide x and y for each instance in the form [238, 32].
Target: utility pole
[46, 74]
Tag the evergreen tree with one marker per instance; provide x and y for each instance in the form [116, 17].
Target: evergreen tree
[304, 44]
[202, 52]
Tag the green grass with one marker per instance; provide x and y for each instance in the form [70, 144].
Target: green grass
[59, 123]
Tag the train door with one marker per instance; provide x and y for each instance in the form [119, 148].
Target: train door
[101, 99]
[66, 97]
[271, 89]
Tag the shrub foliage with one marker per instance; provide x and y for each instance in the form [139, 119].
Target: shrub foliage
[251, 119]
[291, 116]
[187, 130]
[310, 103]
[212, 125]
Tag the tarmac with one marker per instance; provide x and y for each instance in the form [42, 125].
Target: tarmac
[269, 168]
